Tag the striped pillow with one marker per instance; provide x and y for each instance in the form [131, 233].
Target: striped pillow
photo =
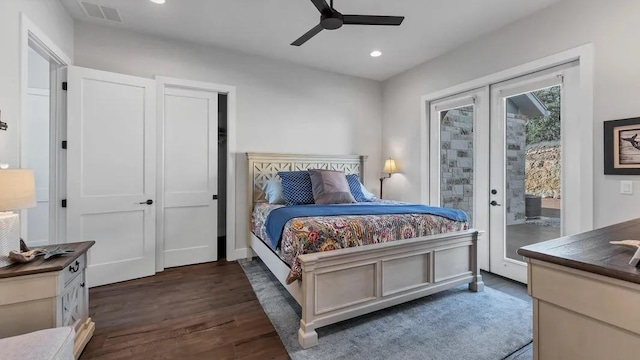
[356, 189]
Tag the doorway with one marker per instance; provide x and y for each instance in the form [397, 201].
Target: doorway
[504, 153]
[530, 164]
[37, 144]
[43, 70]
[533, 181]
[458, 147]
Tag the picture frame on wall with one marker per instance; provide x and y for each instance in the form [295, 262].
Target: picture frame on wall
[622, 147]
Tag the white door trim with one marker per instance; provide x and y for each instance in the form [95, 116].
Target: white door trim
[162, 83]
[31, 33]
[585, 55]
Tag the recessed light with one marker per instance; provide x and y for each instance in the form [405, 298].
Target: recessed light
[158, 1]
[376, 53]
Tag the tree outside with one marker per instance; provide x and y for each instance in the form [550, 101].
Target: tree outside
[546, 128]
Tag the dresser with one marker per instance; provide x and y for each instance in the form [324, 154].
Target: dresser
[49, 293]
[585, 296]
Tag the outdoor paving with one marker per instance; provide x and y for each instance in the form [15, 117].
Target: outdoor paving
[531, 233]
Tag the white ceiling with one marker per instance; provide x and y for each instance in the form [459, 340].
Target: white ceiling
[267, 27]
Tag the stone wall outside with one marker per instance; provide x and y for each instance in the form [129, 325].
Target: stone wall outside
[516, 164]
[456, 160]
[534, 170]
[544, 170]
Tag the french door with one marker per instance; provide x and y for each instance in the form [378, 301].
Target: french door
[532, 169]
[459, 144]
[111, 176]
[499, 153]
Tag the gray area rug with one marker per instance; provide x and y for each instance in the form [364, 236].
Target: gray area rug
[455, 324]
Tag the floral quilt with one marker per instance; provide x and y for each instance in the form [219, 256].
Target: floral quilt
[324, 233]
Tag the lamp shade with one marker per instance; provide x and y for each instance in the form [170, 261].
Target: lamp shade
[17, 189]
[390, 166]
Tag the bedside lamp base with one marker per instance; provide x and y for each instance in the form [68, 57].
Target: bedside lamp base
[9, 236]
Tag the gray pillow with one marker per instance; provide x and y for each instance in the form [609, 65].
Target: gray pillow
[330, 187]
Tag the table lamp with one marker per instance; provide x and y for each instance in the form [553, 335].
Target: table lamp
[17, 191]
[389, 168]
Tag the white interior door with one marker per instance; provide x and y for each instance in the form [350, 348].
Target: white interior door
[111, 172]
[459, 165]
[190, 181]
[535, 165]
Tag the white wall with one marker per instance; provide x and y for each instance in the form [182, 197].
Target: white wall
[51, 18]
[613, 28]
[281, 107]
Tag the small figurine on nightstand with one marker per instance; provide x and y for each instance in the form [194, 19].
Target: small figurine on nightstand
[634, 244]
[26, 255]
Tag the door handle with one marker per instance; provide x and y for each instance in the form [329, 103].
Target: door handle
[148, 202]
[215, 197]
[494, 203]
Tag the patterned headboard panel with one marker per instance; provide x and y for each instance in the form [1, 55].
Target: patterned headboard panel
[263, 167]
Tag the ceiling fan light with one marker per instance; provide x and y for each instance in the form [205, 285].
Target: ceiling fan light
[376, 53]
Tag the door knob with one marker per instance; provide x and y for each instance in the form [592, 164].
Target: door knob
[148, 202]
[494, 191]
[494, 203]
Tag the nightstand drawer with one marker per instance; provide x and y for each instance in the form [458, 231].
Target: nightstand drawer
[73, 270]
[73, 302]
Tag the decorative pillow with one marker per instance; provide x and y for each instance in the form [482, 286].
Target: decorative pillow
[296, 187]
[369, 196]
[273, 191]
[330, 187]
[356, 189]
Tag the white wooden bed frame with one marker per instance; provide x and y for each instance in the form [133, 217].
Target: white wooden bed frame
[341, 284]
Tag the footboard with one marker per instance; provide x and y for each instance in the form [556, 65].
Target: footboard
[342, 284]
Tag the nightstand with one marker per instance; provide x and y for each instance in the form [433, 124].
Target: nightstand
[50, 293]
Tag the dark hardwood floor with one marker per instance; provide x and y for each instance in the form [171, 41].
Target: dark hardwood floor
[508, 286]
[206, 311]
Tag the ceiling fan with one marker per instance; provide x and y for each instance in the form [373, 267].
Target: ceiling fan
[331, 19]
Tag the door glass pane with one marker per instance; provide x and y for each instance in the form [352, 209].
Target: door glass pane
[456, 159]
[533, 169]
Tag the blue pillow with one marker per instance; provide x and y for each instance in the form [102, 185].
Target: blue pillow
[356, 189]
[367, 194]
[273, 192]
[296, 186]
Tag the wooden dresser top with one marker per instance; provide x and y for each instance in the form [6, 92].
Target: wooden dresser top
[42, 266]
[591, 251]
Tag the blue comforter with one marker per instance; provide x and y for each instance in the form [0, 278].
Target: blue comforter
[277, 218]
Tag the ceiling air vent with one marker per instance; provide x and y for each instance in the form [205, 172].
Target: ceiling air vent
[100, 11]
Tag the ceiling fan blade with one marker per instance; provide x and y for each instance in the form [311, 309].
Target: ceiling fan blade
[322, 6]
[306, 37]
[373, 20]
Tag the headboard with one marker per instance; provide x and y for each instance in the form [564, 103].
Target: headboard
[263, 167]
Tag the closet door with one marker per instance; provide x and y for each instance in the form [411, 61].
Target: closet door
[111, 172]
[190, 176]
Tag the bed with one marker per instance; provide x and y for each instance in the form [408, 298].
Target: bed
[336, 285]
